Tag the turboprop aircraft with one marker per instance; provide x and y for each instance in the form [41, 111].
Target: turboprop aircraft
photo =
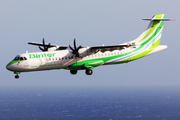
[87, 58]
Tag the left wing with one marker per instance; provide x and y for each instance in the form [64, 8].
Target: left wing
[48, 47]
[40, 44]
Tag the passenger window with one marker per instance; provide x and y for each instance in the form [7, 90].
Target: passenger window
[52, 58]
[65, 57]
[25, 58]
[62, 58]
[56, 58]
[49, 59]
[69, 57]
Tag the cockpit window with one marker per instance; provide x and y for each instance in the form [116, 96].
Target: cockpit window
[16, 58]
[20, 58]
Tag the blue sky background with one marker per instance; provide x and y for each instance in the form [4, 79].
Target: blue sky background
[92, 23]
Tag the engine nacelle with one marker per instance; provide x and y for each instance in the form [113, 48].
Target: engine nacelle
[53, 48]
[85, 51]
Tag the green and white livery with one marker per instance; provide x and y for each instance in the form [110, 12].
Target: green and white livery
[86, 58]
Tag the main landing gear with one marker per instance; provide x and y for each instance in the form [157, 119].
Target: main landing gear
[73, 72]
[88, 71]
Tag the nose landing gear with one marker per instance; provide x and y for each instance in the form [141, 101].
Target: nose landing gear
[17, 74]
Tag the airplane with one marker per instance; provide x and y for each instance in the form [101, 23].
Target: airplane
[87, 58]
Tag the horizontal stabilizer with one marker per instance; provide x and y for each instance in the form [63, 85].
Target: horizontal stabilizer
[159, 48]
[158, 19]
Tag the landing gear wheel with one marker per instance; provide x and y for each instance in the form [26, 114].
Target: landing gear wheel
[16, 76]
[73, 72]
[89, 71]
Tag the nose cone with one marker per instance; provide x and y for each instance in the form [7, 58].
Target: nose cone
[9, 66]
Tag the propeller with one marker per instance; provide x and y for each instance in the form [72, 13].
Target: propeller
[75, 50]
[45, 46]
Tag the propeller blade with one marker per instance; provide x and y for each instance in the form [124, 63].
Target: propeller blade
[79, 48]
[71, 48]
[48, 46]
[75, 44]
[44, 44]
[41, 48]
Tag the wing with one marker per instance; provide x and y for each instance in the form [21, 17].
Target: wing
[47, 46]
[41, 44]
[108, 48]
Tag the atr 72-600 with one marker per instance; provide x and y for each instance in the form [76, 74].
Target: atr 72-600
[86, 58]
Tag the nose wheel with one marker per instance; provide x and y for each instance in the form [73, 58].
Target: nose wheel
[17, 76]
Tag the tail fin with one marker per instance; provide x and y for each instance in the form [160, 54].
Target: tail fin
[154, 31]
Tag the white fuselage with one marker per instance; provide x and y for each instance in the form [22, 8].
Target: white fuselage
[57, 59]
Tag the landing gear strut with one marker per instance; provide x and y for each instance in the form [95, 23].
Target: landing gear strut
[17, 76]
[88, 71]
[73, 72]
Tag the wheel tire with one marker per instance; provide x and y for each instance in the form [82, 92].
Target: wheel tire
[16, 76]
[73, 72]
[89, 71]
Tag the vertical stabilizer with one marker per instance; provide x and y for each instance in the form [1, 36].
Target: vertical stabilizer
[153, 32]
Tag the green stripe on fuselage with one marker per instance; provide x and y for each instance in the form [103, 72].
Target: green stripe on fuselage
[151, 30]
[155, 45]
[13, 62]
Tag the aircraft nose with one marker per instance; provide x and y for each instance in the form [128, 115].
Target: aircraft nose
[9, 66]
